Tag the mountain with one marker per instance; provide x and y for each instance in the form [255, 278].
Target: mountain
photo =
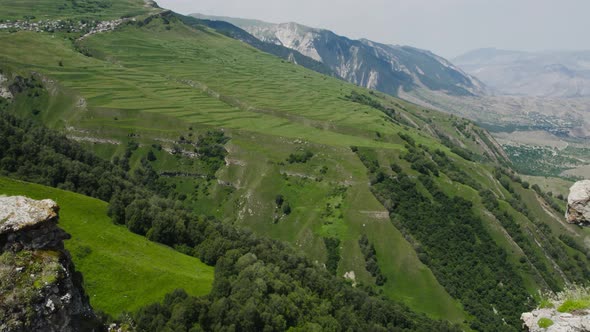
[322, 205]
[540, 74]
[281, 51]
[386, 68]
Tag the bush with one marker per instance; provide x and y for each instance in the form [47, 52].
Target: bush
[151, 156]
[279, 200]
[286, 208]
[300, 157]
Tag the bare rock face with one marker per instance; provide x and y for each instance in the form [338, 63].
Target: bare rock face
[20, 212]
[40, 289]
[578, 203]
[28, 224]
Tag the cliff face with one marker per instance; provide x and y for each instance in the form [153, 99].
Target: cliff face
[386, 68]
[39, 287]
[578, 203]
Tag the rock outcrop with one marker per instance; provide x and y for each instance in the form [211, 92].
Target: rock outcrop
[550, 320]
[39, 287]
[4, 92]
[578, 203]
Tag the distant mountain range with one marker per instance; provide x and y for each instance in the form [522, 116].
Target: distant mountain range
[543, 74]
[386, 68]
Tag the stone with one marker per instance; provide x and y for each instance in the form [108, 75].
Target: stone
[578, 203]
[40, 288]
[562, 322]
[18, 212]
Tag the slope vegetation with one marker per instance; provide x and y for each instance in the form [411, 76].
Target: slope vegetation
[290, 173]
[122, 271]
[73, 9]
[387, 68]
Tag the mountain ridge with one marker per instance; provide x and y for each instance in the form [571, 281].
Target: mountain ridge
[355, 180]
[562, 74]
[373, 65]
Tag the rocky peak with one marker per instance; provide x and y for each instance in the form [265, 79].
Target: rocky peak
[578, 203]
[40, 289]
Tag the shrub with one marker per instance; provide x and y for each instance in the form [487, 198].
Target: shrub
[300, 157]
[286, 208]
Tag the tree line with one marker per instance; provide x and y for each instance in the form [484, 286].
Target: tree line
[260, 284]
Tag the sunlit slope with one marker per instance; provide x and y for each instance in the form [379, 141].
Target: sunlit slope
[72, 9]
[122, 271]
[151, 77]
[200, 92]
[156, 80]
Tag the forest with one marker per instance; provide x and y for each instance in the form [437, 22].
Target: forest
[260, 284]
[461, 253]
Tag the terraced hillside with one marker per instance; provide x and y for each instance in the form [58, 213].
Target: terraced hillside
[309, 161]
[74, 10]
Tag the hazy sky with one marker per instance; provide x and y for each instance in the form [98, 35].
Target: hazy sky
[446, 27]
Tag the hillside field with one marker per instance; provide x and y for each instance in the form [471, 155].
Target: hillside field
[122, 271]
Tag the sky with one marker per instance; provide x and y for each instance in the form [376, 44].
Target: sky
[446, 27]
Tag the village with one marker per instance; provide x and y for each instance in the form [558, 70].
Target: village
[86, 28]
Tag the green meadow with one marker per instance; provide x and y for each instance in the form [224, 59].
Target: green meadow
[156, 82]
[71, 10]
[122, 271]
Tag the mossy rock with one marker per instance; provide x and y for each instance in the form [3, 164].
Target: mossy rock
[545, 323]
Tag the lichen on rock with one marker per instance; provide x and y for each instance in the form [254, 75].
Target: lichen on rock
[40, 289]
[18, 212]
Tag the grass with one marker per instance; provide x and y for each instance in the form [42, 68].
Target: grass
[572, 298]
[549, 184]
[158, 80]
[409, 280]
[573, 305]
[122, 271]
[64, 9]
[545, 323]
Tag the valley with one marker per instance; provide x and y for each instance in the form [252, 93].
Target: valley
[264, 173]
[429, 80]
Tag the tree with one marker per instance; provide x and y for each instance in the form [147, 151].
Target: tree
[279, 200]
[286, 208]
[151, 156]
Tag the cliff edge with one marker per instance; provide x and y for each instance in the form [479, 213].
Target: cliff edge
[578, 203]
[39, 287]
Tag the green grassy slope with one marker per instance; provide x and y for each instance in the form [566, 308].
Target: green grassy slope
[122, 271]
[306, 105]
[155, 81]
[70, 9]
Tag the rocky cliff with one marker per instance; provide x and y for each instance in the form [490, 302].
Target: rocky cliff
[578, 203]
[373, 65]
[551, 320]
[39, 287]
